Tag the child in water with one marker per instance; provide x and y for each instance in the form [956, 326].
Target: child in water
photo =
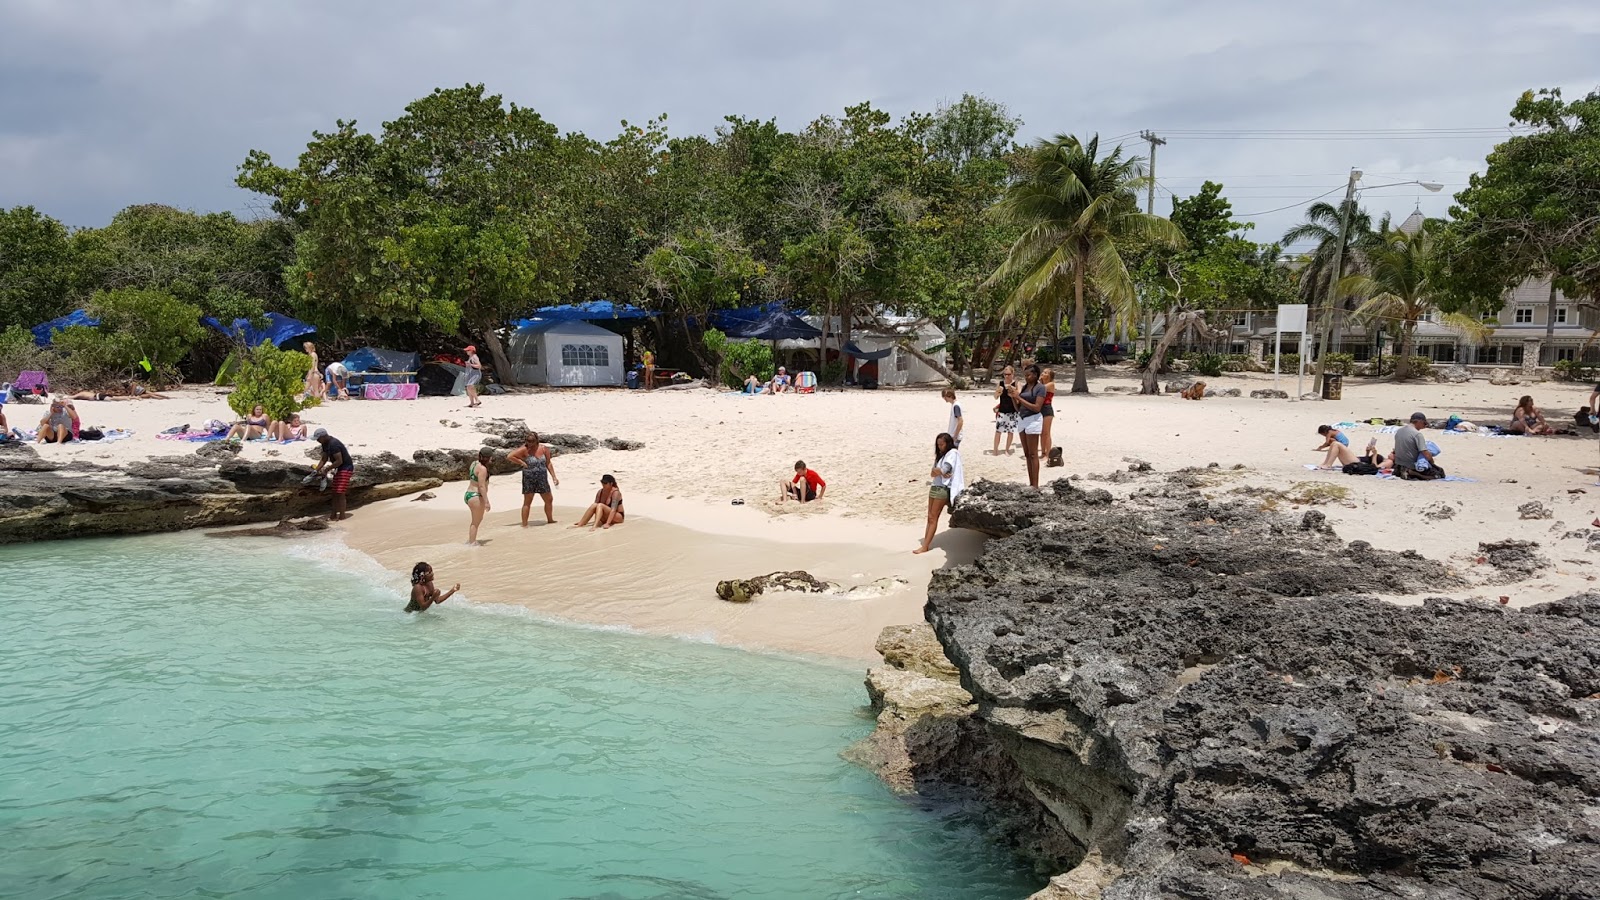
[423, 593]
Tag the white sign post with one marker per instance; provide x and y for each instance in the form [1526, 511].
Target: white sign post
[1291, 317]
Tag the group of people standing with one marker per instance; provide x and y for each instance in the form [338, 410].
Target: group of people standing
[538, 475]
[1026, 410]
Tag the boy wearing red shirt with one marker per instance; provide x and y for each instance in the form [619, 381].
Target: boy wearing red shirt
[813, 489]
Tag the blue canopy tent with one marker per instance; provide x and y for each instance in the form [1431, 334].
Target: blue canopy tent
[280, 329]
[379, 365]
[45, 332]
[768, 322]
[591, 311]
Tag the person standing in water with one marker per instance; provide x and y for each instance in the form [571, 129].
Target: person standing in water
[606, 510]
[474, 375]
[478, 493]
[1030, 403]
[538, 471]
[423, 593]
[947, 478]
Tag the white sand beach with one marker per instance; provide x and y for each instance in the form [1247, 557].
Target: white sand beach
[705, 449]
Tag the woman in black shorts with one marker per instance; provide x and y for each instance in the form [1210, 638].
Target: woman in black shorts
[1005, 412]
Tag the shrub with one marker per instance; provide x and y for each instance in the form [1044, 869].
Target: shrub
[1209, 364]
[272, 378]
[139, 330]
[1240, 362]
[1421, 367]
[1574, 370]
[738, 360]
[18, 353]
[833, 371]
[1288, 362]
[1339, 363]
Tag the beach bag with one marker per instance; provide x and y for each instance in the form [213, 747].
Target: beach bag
[90, 434]
[1360, 467]
[1055, 457]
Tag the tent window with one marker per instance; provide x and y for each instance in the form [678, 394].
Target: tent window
[530, 356]
[585, 355]
[902, 361]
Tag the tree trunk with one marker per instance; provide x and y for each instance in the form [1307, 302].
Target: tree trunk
[1176, 324]
[1402, 360]
[931, 362]
[497, 357]
[1080, 362]
[1548, 350]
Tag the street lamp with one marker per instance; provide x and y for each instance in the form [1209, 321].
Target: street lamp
[1325, 327]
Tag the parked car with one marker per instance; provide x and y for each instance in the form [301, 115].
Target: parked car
[1099, 351]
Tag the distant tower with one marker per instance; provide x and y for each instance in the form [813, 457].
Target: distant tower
[1413, 222]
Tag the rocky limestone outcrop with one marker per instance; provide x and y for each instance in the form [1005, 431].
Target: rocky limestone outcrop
[1198, 694]
[1269, 394]
[508, 434]
[44, 499]
[743, 590]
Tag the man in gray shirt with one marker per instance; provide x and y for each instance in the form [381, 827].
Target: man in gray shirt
[1410, 448]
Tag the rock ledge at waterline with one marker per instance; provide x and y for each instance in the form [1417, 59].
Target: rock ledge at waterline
[1197, 701]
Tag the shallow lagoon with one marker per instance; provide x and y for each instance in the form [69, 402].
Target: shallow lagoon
[186, 716]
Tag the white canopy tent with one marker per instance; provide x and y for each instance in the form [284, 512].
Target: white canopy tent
[567, 354]
[899, 368]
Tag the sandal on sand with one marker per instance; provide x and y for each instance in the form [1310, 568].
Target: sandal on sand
[738, 502]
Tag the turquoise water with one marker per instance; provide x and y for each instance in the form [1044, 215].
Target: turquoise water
[185, 717]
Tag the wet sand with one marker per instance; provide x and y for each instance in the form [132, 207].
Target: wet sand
[657, 574]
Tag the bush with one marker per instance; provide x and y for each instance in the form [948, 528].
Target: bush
[833, 371]
[18, 353]
[1209, 364]
[272, 378]
[1574, 370]
[1339, 363]
[140, 330]
[1288, 362]
[738, 360]
[1421, 367]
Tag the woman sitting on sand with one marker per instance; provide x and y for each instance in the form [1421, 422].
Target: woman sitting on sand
[423, 593]
[254, 425]
[1528, 419]
[947, 478]
[478, 493]
[606, 510]
[292, 430]
[1336, 443]
[56, 426]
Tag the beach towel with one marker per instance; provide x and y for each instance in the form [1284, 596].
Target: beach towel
[805, 383]
[115, 434]
[1390, 476]
[958, 479]
[198, 437]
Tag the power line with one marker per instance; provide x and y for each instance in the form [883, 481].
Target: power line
[1292, 205]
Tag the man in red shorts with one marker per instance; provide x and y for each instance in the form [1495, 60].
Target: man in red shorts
[337, 458]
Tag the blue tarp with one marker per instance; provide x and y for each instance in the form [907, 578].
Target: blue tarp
[43, 333]
[592, 311]
[280, 329]
[768, 322]
[375, 359]
[867, 355]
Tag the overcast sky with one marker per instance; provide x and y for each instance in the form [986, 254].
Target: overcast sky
[113, 102]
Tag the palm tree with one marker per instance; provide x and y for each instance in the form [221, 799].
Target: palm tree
[1400, 289]
[1323, 225]
[1077, 211]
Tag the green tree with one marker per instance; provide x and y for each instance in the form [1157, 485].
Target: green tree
[1079, 212]
[1533, 212]
[140, 329]
[695, 273]
[1400, 287]
[37, 268]
[1330, 226]
[462, 214]
[738, 360]
[273, 378]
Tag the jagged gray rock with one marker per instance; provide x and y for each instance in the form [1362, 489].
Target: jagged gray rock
[1269, 394]
[1197, 693]
[612, 443]
[44, 500]
[1456, 374]
[508, 434]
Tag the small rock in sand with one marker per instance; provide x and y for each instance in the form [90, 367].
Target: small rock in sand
[1533, 509]
[1439, 510]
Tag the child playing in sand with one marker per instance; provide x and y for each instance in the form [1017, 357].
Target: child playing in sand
[792, 489]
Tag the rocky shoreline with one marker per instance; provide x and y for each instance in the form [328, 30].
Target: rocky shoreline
[1171, 696]
[213, 487]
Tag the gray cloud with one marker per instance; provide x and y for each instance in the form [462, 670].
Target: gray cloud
[107, 103]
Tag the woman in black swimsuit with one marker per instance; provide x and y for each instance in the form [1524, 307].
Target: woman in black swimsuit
[423, 593]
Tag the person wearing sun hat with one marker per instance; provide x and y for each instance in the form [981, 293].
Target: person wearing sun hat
[474, 375]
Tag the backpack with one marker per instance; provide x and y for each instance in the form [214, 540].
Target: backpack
[1055, 457]
[1360, 467]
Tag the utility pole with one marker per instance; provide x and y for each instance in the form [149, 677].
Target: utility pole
[1326, 327]
[1150, 197]
[1150, 192]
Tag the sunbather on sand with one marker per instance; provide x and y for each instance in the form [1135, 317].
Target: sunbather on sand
[254, 425]
[292, 430]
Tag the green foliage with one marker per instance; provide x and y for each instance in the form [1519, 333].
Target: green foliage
[18, 353]
[1078, 213]
[1419, 366]
[37, 267]
[138, 328]
[1532, 211]
[1240, 362]
[1339, 363]
[1209, 364]
[1575, 370]
[272, 378]
[738, 360]
[832, 372]
[1401, 285]
[1287, 363]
